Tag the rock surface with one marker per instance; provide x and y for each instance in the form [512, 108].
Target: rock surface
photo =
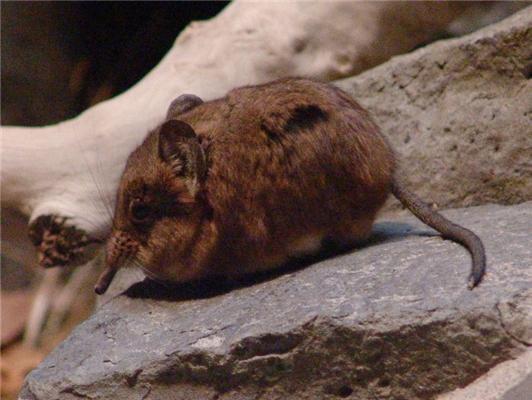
[393, 319]
[459, 114]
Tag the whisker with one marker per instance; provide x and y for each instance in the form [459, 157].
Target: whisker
[90, 223]
[149, 273]
[111, 299]
[106, 224]
[106, 202]
[104, 205]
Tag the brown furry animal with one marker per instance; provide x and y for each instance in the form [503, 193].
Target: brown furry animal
[246, 182]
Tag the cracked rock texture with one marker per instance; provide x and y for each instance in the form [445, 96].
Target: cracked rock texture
[460, 112]
[393, 319]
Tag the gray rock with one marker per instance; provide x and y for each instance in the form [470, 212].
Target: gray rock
[459, 114]
[393, 319]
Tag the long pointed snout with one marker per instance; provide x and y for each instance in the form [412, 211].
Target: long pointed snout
[105, 279]
[120, 247]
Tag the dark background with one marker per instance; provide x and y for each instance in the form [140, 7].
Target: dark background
[59, 58]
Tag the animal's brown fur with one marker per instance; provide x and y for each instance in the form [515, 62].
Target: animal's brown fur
[289, 164]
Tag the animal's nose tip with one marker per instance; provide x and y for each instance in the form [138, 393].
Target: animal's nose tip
[105, 280]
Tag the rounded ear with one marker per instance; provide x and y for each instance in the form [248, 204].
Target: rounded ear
[182, 104]
[180, 148]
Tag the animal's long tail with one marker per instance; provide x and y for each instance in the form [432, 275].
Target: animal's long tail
[448, 229]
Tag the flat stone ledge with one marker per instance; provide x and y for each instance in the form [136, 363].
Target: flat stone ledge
[393, 319]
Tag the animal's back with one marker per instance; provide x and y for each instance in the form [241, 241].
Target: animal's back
[290, 163]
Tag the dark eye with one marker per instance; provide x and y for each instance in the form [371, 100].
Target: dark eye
[140, 211]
